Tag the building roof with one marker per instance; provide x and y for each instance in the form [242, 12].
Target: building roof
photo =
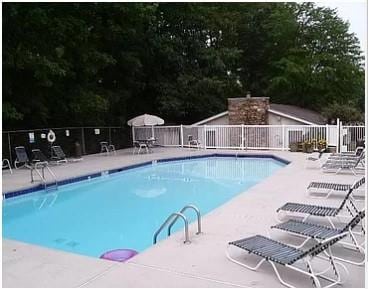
[298, 112]
[216, 116]
[290, 111]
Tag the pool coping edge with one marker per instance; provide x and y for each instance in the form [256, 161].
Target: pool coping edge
[40, 187]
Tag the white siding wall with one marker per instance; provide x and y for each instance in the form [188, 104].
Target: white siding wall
[273, 119]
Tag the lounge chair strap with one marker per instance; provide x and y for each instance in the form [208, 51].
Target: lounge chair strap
[329, 186]
[310, 209]
[269, 249]
[308, 229]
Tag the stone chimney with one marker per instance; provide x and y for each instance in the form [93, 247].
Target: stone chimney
[248, 110]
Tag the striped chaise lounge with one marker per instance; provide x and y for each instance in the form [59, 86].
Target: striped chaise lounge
[307, 210]
[277, 253]
[344, 164]
[58, 155]
[317, 232]
[357, 152]
[38, 156]
[325, 189]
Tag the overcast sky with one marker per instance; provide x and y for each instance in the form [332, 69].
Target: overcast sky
[356, 13]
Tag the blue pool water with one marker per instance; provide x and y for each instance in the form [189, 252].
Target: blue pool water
[123, 210]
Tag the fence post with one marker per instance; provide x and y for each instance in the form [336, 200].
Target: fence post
[83, 142]
[109, 135]
[181, 136]
[242, 136]
[327, 135]
[338, 135]
[283, 137]
[204, 138]
[10, 152]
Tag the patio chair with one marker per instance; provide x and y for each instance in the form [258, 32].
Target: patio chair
[6, 165]
[325, 189]
[316, 232]
[38, 156]
[106, 148]
[192, 141]
[278, 253]
[151, 143]
[58, 155]
[138, 146]
[22, 158]
[308, 210]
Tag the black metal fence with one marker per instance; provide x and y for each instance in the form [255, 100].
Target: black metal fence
[89, 139]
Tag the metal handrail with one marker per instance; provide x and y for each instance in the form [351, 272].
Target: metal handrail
[53, 175]
[199, 229]
[42, 176]
[177, 215]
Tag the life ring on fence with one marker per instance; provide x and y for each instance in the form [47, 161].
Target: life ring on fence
[51, 137]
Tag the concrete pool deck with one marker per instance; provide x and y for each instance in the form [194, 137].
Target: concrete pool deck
[171, 263]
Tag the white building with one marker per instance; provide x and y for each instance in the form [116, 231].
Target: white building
[278, 114]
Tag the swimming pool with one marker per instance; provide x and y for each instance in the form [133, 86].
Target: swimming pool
[124, 209]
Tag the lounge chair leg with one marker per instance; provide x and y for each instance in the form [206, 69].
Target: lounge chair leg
[279, 276]
[338, 279]
[242, 264]
[334, 264]
[282, 281]
[357, 263]
[315, 280]
[354, 246]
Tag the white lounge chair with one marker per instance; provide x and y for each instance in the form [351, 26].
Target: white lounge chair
[312, 231]
[344, 164]
[193, 142]
[107, 148]
[302, 261]
[325, 189]
[138, 146]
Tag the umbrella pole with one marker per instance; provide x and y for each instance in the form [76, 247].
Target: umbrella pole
[153, 132]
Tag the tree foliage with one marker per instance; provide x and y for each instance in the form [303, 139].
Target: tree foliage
[69, 64]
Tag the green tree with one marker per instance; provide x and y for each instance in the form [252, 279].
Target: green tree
[323, 66]
[347, 112]
[69, 64]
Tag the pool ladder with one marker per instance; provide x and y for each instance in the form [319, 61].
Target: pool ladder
[171, 220]
[53, 186]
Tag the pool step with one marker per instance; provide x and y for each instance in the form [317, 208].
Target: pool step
[51, 187]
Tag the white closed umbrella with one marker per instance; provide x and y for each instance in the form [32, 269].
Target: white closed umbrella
[146, 119]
